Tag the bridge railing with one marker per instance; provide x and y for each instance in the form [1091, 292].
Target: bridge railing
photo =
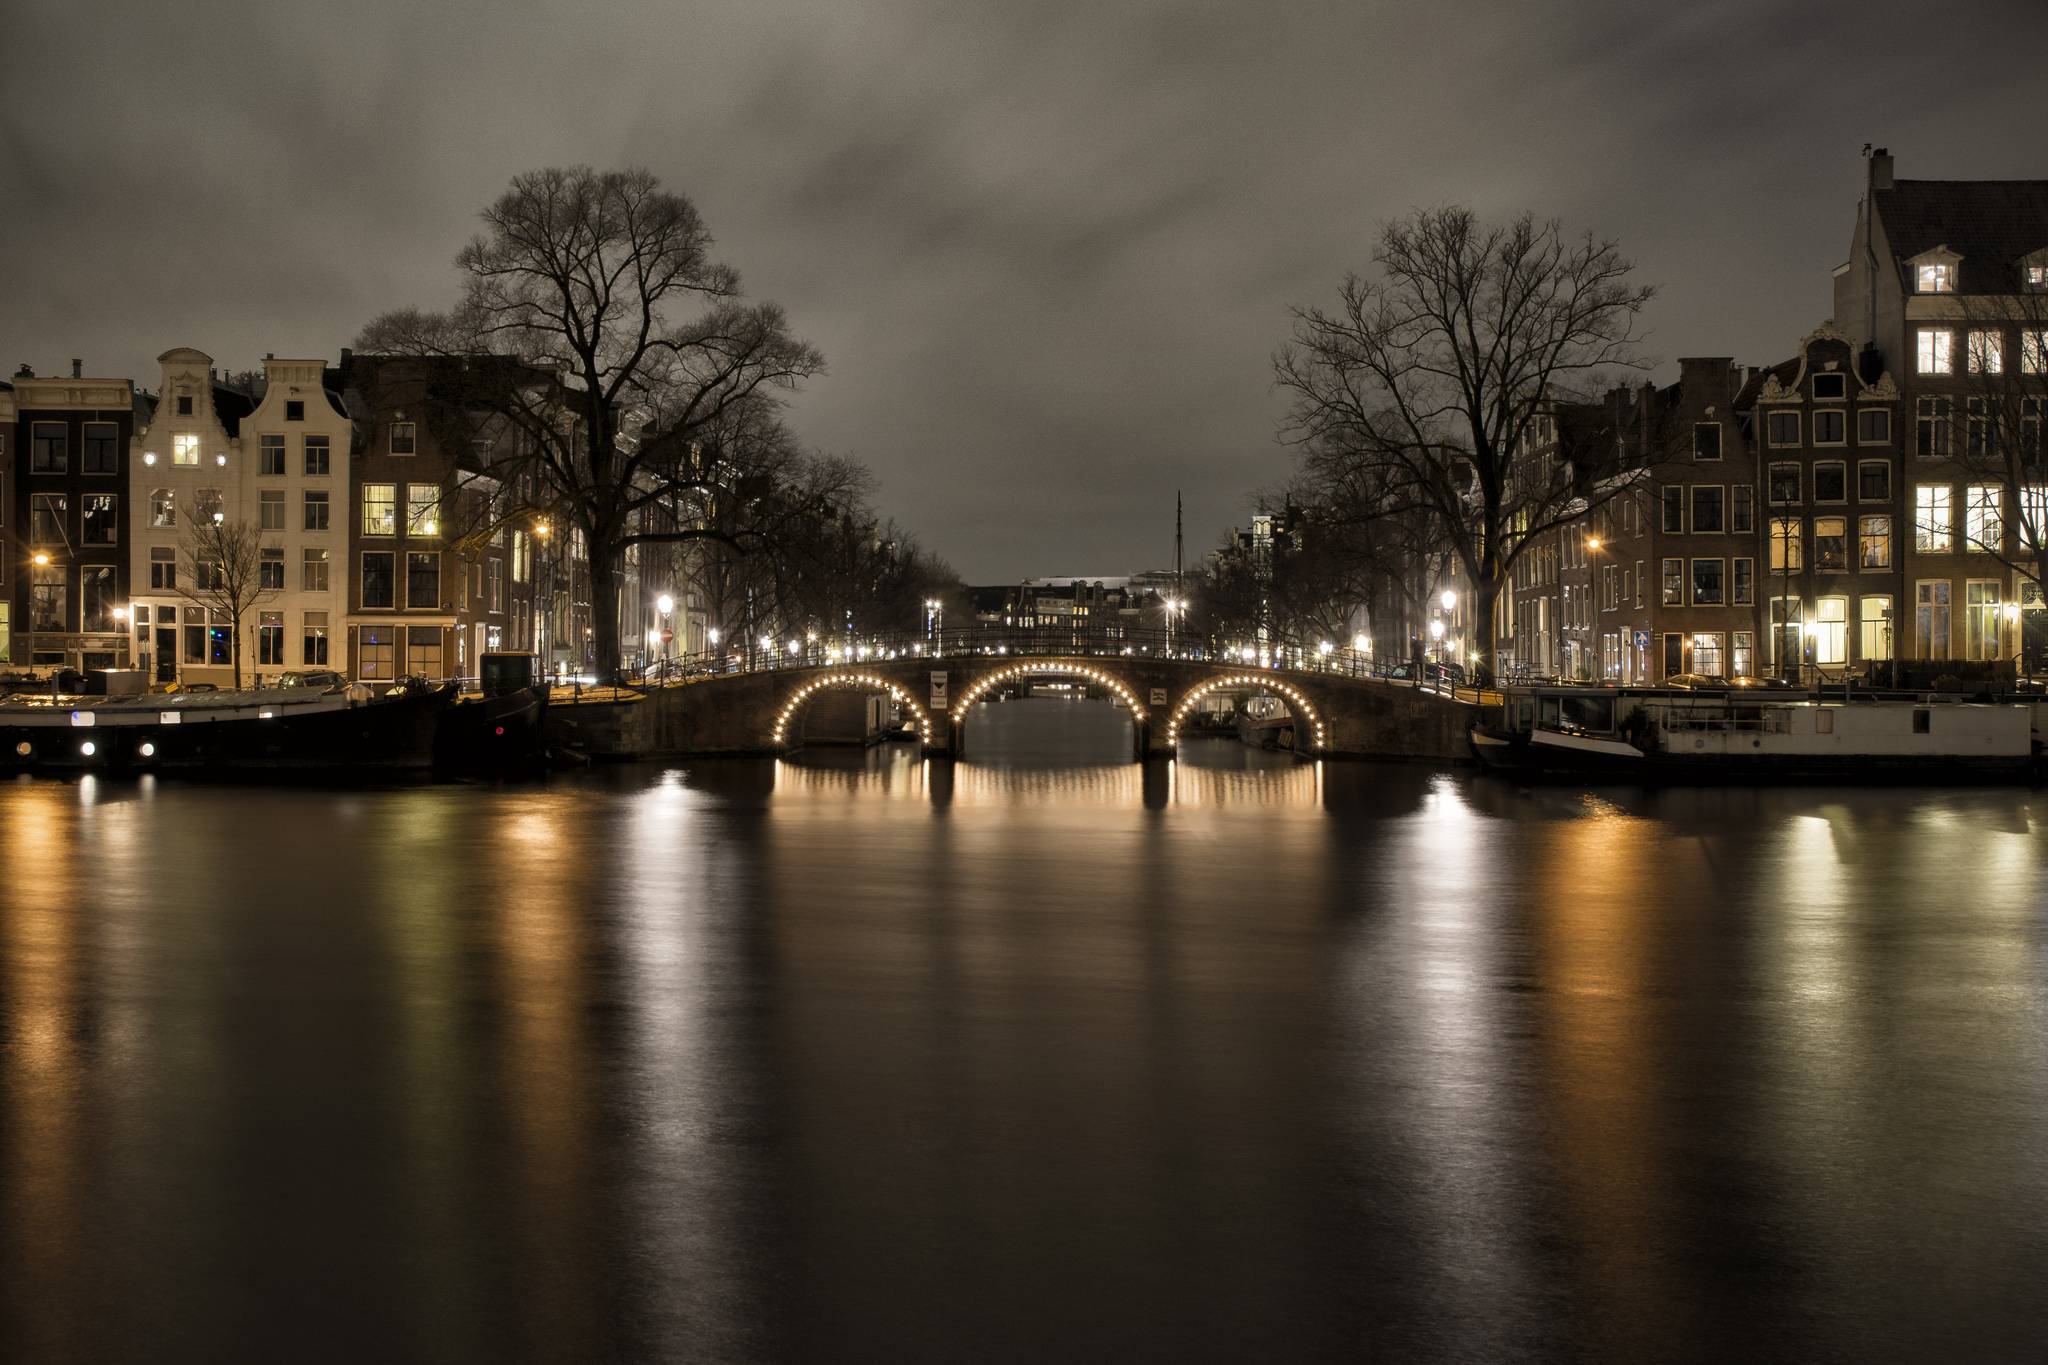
[766, 654]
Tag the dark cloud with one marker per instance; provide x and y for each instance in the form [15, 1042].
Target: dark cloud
[1047, 247]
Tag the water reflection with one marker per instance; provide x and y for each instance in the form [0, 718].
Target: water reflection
[862, 1055]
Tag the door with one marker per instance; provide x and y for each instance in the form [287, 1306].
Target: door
[166, 653]
[1674, 655]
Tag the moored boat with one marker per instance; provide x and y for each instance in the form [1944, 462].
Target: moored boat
[1669, 735]
[327, 730]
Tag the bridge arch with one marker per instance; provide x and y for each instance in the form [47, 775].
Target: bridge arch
[793, 705]
[994, 678]
[1303, 708]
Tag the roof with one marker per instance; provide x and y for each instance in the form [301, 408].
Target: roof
[1991, 224]
[231, 406]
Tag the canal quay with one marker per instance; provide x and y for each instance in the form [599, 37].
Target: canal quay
[1038, 1052]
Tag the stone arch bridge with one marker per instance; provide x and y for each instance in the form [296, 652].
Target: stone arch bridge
[1335, 714]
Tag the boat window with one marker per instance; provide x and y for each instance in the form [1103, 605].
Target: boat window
[1923, 721]
[1548, 715]
[1590, 713]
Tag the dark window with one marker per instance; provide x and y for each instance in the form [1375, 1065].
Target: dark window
[1742, 508]
[271, 459]
[377, 579]
[1784, 483]
[47, 514]
[185, 406]
[270, 638]
[48, 451]
[316, 454]
[1706, 582]
[1706, 440]
[1706, 509]
[101, 523]
[96, 599]
[270, 571]
[402, 438]
[100, 454]
[1830, 482]
[163, 569]
[1830, 386]
[1933, 440]
[1828, 426]
[1674, 508]
[294, 411]
[423, 580]
[1873, 425]
[1874, 481]
[1783, 428]
[316, 509]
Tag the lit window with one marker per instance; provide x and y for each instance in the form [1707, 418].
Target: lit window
[1788, 544]
[1876, 641]
[100, 522]
[1706, 652]
[1983, 527]
[1986, 353]
[1933, 519]
[1936, 352]
[1831, 630]
[163, 507]
[1875, 533]
[1935, 277]
[1831, 543]
[184, 447]
[1980, 624]
[422, 509]
[380, 509]
[2037, 277]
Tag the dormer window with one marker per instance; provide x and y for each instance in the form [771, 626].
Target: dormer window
[1935, 277]
[2037, 279]
[1830, 386]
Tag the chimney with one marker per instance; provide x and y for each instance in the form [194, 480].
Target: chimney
[78, 369]
[1881, 169]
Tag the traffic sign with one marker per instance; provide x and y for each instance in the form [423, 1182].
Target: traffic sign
[667, 635]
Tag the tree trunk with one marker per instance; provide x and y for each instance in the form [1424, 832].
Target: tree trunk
[1485, 595]
[235, 647]
[604, 609]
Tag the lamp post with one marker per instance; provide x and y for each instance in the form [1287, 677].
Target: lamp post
[1436, 633]
[543, 618]
[666, 605]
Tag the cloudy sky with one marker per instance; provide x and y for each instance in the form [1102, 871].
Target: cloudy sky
[1046, 246]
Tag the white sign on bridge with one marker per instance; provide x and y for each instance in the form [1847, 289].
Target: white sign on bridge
[938, 690]
[1159, 696]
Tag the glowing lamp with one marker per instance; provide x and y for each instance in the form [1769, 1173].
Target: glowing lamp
[1448, 600]
[664, 604]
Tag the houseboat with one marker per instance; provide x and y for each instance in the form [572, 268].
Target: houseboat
[1667, 735]
[318, 724]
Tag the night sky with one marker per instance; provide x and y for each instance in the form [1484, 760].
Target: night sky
[1047, 248]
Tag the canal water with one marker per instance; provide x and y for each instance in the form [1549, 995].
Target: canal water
[1041, 1056]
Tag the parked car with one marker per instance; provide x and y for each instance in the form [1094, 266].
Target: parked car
[1695, 682]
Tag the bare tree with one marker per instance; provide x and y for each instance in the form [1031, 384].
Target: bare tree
[1430, 375]
[577, 279]
[222, 570]
[1994, 444]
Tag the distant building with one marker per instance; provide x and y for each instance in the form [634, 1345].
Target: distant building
[68, 451]
[1944, 284]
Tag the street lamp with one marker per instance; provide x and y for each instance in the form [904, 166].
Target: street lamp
[1436, 634]
[1448, 601]
[665, 605]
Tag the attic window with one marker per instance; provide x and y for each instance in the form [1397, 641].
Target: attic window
[1830, 386]
[294, 410]
[1935, 277]
[2037, 279]
[184, 405]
